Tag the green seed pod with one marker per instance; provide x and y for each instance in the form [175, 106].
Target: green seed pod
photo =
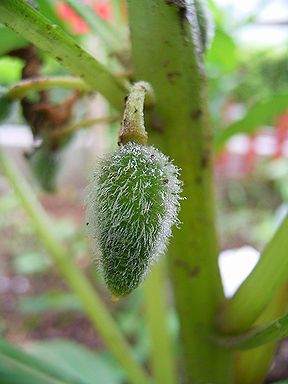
[132, 204]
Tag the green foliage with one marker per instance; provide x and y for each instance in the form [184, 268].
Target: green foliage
[57, 362]
[260, 114]
[44, 163]
[5, 104]
[78, 362]
[132, 195]
[262, 74]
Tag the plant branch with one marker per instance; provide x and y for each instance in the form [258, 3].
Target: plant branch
[91, 302]
[274, 331]
[165, 54]
[30, 24]
[20, 90]
[162, 357]
[103, 29]
[84, 124]
[262, 356]
[261, 286]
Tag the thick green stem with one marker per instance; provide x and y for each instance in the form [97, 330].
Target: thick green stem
[162, 357]
[19, 90]
[91, 302]
[164, 54]
[30, 24]
[260, 287]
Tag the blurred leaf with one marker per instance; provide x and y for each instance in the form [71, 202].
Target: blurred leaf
[29, 263]
[17, 366]
[260, 114]
[9, 40]
[5, 104]
[44, 164]
[77, 361]
[223, 52]
[10, 70]
[50, 301]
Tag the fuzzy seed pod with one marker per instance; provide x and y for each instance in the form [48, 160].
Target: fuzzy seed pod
[132, 204]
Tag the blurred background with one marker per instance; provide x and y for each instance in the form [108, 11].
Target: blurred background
[247, 67]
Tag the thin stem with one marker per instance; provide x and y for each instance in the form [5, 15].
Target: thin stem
[30, 24]
[91, 302]
[260, 287]
[162, 357]
[262, 356]
[133, 126]
[19, 90]
[84, 124]
[274, 331]
[102, 28]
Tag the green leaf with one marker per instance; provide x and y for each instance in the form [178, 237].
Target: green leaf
[44, 164]
[78, 362]
[9, 40]
[261, 113]
[29, 263]
[48, 302]
[5, 104]
[223, 52]
[17, 366]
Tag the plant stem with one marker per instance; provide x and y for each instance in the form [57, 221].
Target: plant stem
[100, 27]
[260, 287]
[163, 359]
[26, 21]
[92, 304]
[19, 90]
[247, 373]
[274, 331]
[84, 124]
[164, 54]
[132, 125]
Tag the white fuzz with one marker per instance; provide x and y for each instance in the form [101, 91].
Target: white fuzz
[132, 203]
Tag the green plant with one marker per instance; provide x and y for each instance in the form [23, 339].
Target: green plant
[214, 331]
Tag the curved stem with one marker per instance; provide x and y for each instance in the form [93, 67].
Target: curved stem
[19, 90]
[260, 287]
[274, 331]
[84, 124]
[91, 302]
[132, 125]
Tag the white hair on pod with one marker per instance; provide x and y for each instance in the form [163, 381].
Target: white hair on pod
[132, 203]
